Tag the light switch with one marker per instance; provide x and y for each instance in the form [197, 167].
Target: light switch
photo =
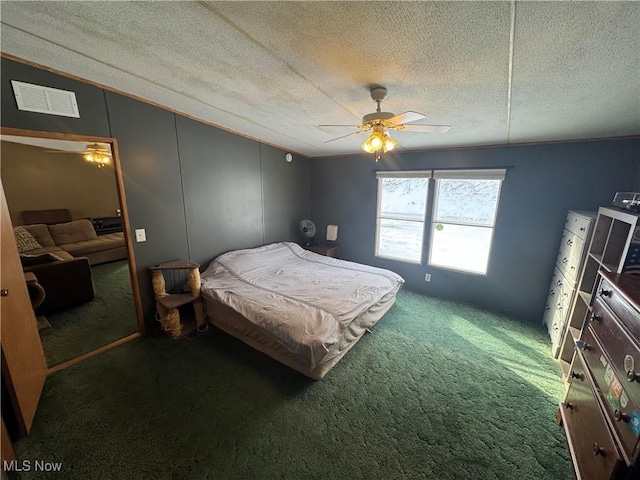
[141, 235]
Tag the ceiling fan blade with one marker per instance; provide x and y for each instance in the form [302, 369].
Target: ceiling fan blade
[424, 128]
[347, 135]
[346, 126]
[406, 117]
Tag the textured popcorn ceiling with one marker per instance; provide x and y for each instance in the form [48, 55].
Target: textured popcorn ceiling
[276, 70]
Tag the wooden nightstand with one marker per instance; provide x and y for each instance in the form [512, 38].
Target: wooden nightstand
[324, 249]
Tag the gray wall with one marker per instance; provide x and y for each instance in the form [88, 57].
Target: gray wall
[197, 190]
[542, 183]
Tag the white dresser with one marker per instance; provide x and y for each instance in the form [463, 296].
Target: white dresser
[571, 255]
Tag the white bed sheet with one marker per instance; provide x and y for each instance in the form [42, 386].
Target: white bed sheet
[303, 299]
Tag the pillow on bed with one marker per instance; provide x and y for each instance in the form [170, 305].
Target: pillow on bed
[31, 260]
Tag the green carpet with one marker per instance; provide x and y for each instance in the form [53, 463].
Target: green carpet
[108, 317]
[438, 391]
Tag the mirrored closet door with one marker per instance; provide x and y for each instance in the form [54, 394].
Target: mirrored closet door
[66, 204]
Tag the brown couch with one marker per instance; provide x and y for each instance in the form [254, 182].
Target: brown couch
[60, 254]
[75, 239]
[66, 283]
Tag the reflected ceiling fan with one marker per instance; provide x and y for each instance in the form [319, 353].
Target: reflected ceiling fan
[380, 122]
[95, 153]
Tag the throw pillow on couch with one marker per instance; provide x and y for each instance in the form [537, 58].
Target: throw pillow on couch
[24, 240]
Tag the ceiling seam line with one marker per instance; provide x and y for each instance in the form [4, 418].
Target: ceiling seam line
[512, 35]
[152, 82]
[274, 55]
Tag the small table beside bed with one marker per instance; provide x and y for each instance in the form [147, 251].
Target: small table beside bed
[303, 309]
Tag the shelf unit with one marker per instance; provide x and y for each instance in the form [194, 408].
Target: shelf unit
[614, 232]
[168, 304]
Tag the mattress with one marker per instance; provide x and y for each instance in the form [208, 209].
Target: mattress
[296, 305]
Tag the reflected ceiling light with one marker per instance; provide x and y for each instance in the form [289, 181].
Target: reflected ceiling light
[97, 155]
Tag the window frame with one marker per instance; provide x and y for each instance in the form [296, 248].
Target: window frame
[430, 210]
[380, 175]
[462, 174]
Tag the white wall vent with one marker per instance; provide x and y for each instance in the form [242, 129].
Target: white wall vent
[35, 98]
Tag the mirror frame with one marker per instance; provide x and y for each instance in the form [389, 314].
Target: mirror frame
[133, 273]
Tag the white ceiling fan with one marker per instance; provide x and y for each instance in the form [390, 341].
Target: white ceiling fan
[380, 122]
[96, 153]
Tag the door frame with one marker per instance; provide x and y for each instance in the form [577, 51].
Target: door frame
[133, 273]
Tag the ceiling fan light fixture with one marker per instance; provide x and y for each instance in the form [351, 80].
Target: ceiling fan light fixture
[373, 143]
[97, 155]
[367, 147]
[388, 143]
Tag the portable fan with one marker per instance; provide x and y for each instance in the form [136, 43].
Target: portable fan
[308, 230]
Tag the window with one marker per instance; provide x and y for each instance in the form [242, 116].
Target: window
[463, 215]
[402, 202]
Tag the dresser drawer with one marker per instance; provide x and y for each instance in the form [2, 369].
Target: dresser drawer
[592, 447]
[570, 255]
[551, 308]
[622, 349]
[627, 315]
[578, 225]
[620, 402]
[564, 288]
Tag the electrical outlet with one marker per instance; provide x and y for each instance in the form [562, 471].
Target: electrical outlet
[141, 235]
[427, 277]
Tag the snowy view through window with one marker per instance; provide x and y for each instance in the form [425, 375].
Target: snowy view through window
[471, 203]
[463, 221]
[402, 208]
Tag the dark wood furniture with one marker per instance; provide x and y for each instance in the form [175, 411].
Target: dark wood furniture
[104, 225]
[601, 411]
[324, 249]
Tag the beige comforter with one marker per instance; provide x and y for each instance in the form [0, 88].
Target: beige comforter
[303, 299]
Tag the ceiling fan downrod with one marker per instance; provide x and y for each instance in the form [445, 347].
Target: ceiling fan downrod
[377, 95]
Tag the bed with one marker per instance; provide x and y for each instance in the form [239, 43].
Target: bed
[303, 309]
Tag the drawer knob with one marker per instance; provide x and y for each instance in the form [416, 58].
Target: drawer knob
[619, 415]
[604, 293]
[594, 318]
[569, 242]
[577, 375]
[583, 346]
[598, 450]
[567, 405]
[582, 229]
[632, 376]
[564, 260]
